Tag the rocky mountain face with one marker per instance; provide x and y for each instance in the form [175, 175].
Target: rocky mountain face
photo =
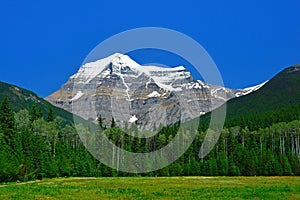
[148, 96]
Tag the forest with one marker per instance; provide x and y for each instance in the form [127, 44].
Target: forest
[36, 145]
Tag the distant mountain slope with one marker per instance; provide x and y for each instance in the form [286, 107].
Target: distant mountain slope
[23, 99]
[278, 100]
[118, 87]
[281, 91]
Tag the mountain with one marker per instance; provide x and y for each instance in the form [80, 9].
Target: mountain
[249, 90]
[149, 96]
[282, 91]
[23, 99]
[278, 100]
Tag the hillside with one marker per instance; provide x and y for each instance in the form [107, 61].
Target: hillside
[23, 99]
[276, 101]
[280, 92]
[268, 120]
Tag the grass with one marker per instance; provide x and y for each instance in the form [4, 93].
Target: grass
[156, 188]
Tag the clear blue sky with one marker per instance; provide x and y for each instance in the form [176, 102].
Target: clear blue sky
[44, 42]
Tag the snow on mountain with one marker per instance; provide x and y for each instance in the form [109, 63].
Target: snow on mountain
[164, 77]
[119, 87]
[90, 70]
[77, 96]
[133, 119]
[216, 93]
[153, 94]
[121, 64]
[124, 61]
[248, 90]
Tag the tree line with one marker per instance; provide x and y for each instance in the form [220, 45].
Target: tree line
[36, 146]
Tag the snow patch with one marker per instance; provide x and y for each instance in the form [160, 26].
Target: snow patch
[78, 95]
[197, 85]
[164, 77]
[250, 89]
[133, 119]
[127, 87]
[151, 68]
[154, 94]
[220, 93]
[202, 113]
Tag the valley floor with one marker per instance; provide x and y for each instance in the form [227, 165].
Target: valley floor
[156, 188]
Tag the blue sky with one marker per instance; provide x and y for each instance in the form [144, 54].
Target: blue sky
[44, 42]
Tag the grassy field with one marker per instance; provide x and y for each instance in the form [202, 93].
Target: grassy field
[156, 188]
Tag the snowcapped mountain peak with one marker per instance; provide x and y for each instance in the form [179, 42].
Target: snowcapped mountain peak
[145, 89]
[169, 79]
[122, 64]
[124, 61]
[90, 70]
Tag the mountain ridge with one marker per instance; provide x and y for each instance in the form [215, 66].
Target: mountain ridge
[280, 91]
[21, 98]
[276, 101]
[119, 85]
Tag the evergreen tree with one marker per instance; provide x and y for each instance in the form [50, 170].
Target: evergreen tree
[7, 123]
[39, 112]
[113, 123]
[222, 164]
[50, 149]
[8, 162]
[33, 114]
[100, 122]
[50, 116]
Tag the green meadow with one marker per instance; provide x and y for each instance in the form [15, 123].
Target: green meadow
[156, 188]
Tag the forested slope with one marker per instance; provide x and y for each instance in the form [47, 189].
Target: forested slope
[261, 137]
[24, 99]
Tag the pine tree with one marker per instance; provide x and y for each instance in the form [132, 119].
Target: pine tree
[39, 112]
[113, 123]
[100, 122]
[50, 116]
[9, 166]
[7, 122]
[33, 113]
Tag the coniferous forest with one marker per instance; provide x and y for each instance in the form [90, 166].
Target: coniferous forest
[36, 145]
